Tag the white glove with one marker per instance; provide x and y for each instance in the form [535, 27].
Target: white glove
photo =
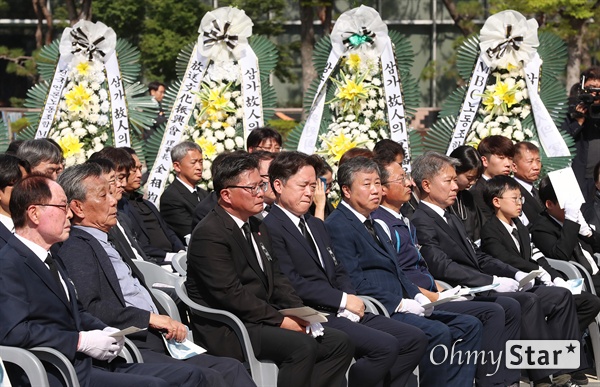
[519, 276]
[572, 210]
[421, 299]
[584, 227]
[545, 277]
[506, 284]
[560, 282]
[349, 315]
[411, 306]
[449, 293]
[315, 330]
[99, 345]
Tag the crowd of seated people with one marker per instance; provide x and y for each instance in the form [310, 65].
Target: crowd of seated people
[267, 239]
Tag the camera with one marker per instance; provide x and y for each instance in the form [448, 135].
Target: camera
[590, 98]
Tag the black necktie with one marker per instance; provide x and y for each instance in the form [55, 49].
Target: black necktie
[369, 225]
[54, 271]
[248, 235]
[307, 236]
[515, 233]
[536, 195]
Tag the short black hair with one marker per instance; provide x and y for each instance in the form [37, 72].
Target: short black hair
[263, 155]
[386, 150]
[106, 165]
[496, 187]
[154, 85]
[496, 145]
[230, 168]
[257, 136]
[547, 191]
[39, 150]
[10, 172]
[119, 157]
[469, 159]
[287, 164]
[13, 147]
[34, 189]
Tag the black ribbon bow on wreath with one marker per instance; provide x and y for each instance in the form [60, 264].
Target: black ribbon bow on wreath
[509, 41]
[82, 44]
[216, 35]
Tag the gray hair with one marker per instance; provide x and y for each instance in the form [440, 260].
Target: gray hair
[179, 151]
[71, 180]
[40, 150]
[428, 165]
[347, 171]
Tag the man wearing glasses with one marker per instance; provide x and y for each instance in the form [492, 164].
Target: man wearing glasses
[231, 266]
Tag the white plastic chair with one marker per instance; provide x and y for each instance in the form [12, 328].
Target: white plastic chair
[28, 362]
[264, 373]
[60, 362]
[179, 263]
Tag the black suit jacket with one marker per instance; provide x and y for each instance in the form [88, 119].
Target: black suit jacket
[477, 191]
[373, 269]
[497, 242]
[35, 310]
[223, 273]
[5, 235]
[563, 242]
[203, 208]
[451, 256]
[531, 208]
[155, 254]
[318, 286]
[98, 287]
[591, 211]
[177, 205]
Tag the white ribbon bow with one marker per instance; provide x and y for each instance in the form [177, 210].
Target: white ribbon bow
[224, 34]
[92, 40]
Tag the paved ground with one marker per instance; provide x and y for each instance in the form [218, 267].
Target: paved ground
[594, 382]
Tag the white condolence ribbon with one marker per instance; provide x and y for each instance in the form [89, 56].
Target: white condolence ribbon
[360, 29]
[96, 42]
[178, 119]
[223, 37]
[469, 107]
[508, 38]
[553, 143]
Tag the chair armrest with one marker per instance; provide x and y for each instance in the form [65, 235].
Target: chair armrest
[131, 353]
[28, 362]
[167, 303]
[156, 274]
[179, 263]
[376, 304]
[60, 362]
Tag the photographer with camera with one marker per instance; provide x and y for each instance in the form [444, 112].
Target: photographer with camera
[583, 124]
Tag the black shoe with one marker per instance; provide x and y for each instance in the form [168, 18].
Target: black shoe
[580, 378]
[570, 383]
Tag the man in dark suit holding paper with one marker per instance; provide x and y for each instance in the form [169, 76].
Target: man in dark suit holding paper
[231, 266]
[111, 287]
[387, 351]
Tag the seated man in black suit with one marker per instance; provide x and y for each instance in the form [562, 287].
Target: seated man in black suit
[153, 234]
[12, 169]
[111, 288]
[178, 201]
[546, 312]
[591, 210]
[526, 167]
[232, 266]
[41, 308]
[385, 350]
[368, 256]
[505, 237]
[500, 316]
[563, 233]
[496, 153]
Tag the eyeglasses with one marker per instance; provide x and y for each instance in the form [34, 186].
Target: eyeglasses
[405, 180]
[252, 189]
[272, 149]
[61, 206]
[517, 200]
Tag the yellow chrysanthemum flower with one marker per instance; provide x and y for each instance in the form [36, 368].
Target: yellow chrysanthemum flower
[83, 68]
[499, 96]
[78, 99]
[339, 145]
[208, 148]
[70, 145]
[353, 61]
[351, 90]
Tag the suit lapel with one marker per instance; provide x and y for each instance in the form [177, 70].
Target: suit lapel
[525, 240]
[191, 198]
[507, 236]
[327, 255]
[361, 229]
[265, 255]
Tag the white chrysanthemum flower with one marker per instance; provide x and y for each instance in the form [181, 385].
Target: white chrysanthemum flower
[379, 115]
[80, 132]
[219, 134]
[206, 175]
[372, 104]
[63, 124]
[104, 137]
[239, 142]
[381, 103]
[216, 125]
[76, 124]
[495, 131]
[518, 135]
[105, 107]
[528, 132]
[220, 147]
[102, 120]
[230, 132]
[372, 134]
[350, 117]
[229, 144]
[482, 131]
[103, 94]
[353, 125]
[367, 113]
[362, 137]
[92, 129]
